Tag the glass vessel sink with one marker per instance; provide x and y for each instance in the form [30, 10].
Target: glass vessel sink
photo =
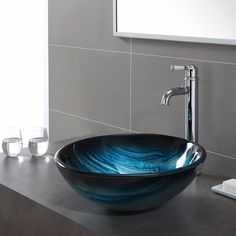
[130, 172]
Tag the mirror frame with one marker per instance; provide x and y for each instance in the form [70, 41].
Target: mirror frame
[166, 37]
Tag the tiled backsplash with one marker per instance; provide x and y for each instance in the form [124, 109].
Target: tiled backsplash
[101, 84]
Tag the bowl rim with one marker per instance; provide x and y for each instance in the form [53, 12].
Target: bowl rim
[61, 164]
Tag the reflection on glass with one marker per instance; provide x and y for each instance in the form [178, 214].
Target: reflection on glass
[181, 161]
[12, 142]
[38, 142]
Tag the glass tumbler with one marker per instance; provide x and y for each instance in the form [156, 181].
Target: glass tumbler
[12, 142]
[38, 141]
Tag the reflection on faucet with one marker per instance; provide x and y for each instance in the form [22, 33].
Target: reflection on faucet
[190, 90]
[173, 92]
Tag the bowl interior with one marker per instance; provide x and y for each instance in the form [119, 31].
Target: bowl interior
[130, 154]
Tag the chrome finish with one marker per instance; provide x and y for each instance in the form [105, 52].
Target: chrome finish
[190, 90]
[173, 92]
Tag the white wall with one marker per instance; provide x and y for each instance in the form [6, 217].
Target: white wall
[23, 64]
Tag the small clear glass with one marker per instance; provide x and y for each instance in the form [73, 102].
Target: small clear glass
[38, 141]
[12, 142]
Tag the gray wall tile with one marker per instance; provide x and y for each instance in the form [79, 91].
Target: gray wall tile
[63, 126]
[218, 107]
[151, 77]
[219, 166]
[198, 51]
[91, 84]
[96, 84]
[84, 23]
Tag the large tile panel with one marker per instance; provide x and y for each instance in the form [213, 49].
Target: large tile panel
[219, 166]
[217, 101]
[91, 84]
[199, 51]
[150, 79]
[63, 126]
[84, 23]
[218, 107]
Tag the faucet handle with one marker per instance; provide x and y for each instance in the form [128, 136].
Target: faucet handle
[191, 71]
[173, 67]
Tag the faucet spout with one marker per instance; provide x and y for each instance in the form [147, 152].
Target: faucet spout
[165, 100]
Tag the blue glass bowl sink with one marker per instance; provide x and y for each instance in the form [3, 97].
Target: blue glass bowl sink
[130, 172]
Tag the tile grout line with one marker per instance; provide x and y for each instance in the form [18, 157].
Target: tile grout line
[130, 78]
[90, 49]
[117, 127]
[185, 58]
[130, 86]
[222, 155]
[144, 54]
[91, 120]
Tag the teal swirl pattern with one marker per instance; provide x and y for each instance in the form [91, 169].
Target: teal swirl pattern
[130, 172]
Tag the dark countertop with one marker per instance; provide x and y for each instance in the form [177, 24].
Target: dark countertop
[195, 211]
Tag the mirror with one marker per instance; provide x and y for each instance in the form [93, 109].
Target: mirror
[211, 21]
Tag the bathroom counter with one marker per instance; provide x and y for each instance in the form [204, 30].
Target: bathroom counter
[36, 200]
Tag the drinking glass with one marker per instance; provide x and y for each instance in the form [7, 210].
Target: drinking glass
[12, 142]
[38, 141]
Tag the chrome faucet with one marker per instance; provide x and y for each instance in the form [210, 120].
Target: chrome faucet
[190, 90]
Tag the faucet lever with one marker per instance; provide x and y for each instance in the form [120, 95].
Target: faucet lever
[191, 71]
[173, 67]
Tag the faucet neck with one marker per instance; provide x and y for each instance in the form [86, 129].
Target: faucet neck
[191, 101]
[191, 72]
[191, 110]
